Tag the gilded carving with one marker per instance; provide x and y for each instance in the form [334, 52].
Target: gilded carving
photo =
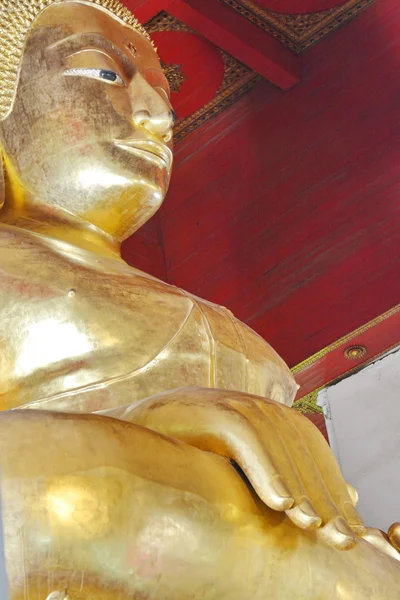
[174, 74]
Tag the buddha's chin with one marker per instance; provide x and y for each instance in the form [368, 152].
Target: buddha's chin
[121, 214]
[92, 176]
[112, 199]
[140, 214]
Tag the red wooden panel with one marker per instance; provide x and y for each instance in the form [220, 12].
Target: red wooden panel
[201, 64]
[285, 208]
[298, 6]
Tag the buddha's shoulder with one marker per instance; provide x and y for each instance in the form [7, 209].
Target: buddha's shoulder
[28, 255]
[53, 263]
[12, 237]
[16, 246]
[17, 242]
[24, 253]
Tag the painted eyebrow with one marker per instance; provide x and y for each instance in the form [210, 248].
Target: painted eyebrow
[86, 41]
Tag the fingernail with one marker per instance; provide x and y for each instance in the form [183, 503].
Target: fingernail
[338, 534]
[353, 518]
[308, 508]
[304, 516]
[353, 494]
[342, 527]
[312, 518]
[283, 500]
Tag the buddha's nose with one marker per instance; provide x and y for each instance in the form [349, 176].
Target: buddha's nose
[158, 123]
[151, 109]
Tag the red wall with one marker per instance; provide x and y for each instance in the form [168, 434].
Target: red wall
[286, 207]
[144, 249]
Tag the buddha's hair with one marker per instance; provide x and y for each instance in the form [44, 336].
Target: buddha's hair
[16, 20]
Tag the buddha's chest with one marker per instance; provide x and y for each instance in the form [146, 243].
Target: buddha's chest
[68, 322]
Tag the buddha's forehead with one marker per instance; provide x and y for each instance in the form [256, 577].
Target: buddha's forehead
[75, 20]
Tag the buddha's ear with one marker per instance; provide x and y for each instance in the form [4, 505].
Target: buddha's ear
[2, 182]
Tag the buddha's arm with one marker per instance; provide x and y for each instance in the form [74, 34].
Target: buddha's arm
[107, 509]
[244, 361]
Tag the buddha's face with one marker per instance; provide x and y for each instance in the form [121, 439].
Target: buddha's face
[90, 130]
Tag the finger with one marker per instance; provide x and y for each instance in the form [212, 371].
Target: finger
[315, 488]
[394, 535]
[243, 444]
[337, 533]
[334, 531]
[353, 494]
[303, 513]
[208, 422]
[330, 472]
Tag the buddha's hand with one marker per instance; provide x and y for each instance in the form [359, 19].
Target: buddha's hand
[284, 456]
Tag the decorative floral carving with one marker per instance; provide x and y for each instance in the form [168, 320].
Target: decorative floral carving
[163, 21]
[308, 404]
[174, 74]
[355, 352]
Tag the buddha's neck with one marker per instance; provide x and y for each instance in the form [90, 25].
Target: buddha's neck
[58, 224]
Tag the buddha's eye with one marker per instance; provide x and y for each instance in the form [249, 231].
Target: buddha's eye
[103, 74]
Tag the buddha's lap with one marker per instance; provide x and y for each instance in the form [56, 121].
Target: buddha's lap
[96, 495]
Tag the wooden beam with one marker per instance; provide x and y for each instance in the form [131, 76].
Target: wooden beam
[240, 38]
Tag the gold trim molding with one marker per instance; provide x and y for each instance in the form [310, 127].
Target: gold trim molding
[307, 404]
[300, 31]
[344, 340]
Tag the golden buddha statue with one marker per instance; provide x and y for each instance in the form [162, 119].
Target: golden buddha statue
[147, 444]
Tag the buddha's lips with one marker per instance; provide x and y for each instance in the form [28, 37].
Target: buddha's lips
[152, 147]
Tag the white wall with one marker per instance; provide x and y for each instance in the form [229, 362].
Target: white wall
[363, 422]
